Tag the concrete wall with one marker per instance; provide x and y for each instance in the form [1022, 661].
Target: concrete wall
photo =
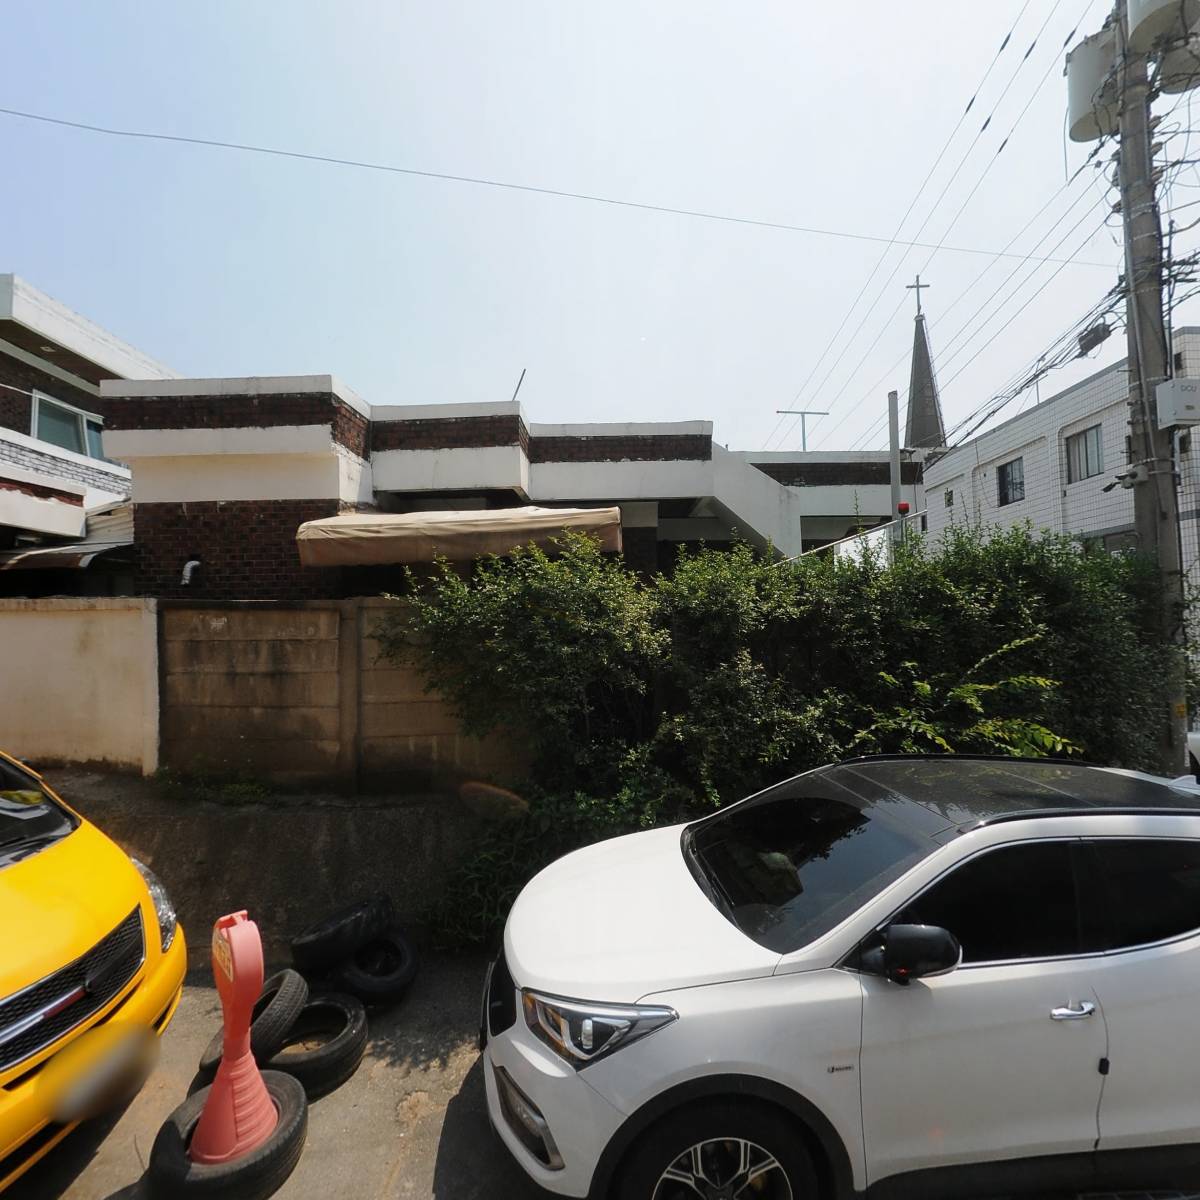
[79, 681]
[290, 692]
[297, 693]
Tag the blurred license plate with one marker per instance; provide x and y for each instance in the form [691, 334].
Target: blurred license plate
[100, 1070]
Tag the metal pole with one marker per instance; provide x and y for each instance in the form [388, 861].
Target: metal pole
[1155, 496]
[803, 414]
[894, 443]
[518, 387]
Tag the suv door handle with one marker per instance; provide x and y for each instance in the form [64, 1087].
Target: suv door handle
[1081, 1013]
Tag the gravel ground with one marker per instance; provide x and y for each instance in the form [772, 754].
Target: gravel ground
[411, 1123]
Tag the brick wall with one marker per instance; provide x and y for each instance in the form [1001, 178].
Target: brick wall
[46, 463]
[350, 429]
[247, 549]
[835, 474]
[15, 409]
[449, 433]
[240, 412]
[41, 491]
[649, 448]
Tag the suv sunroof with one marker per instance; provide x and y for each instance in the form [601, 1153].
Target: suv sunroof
[964, 790]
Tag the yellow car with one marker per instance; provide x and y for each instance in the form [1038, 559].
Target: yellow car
[88, 939]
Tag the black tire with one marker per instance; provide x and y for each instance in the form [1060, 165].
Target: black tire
[339, 1024]
[338, 936]
[172, 1175]
[278, 1005]
[720, 1123]
[379, 972]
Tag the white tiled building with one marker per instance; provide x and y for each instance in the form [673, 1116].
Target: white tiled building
[1050, 464]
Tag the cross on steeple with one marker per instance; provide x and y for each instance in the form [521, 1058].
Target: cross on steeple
[918, 287]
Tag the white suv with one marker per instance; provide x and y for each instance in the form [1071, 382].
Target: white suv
[890, 977]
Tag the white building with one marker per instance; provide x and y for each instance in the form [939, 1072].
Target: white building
[62, 503]
[1053, 465]
[224, 470]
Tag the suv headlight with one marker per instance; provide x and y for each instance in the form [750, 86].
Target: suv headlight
[163, 908]
[582, 1032]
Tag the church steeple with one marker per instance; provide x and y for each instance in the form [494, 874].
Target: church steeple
[924, 428]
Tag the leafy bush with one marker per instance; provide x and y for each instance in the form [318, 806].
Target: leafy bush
[649, 703]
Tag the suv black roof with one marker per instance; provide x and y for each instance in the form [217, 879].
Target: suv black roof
[965, 790]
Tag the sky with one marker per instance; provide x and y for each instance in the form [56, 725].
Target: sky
[419, 291]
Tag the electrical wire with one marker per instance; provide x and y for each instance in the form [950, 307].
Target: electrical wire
[1061, 351]
[1017, 312]
[946, 233]
[966, 291]
[480, 181]
[911, 205]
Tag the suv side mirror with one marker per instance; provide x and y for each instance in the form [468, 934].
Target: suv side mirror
[914, 952]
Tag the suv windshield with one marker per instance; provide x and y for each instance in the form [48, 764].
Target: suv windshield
[790, 864]
[29, 819]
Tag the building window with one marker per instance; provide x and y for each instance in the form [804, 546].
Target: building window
[1010, 481]
[65, 426]
[1085, 455]
[949, 497]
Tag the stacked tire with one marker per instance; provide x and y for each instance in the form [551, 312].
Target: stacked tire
[360, 950]
[317, 1038]
[261, 1172]
[308, 1037]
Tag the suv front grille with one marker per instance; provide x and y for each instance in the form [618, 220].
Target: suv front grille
[42, 1013]
[502, 999]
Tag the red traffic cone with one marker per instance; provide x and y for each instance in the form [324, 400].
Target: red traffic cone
[239, 1113]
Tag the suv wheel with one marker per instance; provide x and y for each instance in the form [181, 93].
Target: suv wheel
[720, 1151]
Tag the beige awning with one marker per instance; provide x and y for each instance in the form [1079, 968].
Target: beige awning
[361, 539]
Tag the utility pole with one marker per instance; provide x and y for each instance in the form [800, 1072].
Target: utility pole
[1155, 496]
[803, 414]
[894, 446]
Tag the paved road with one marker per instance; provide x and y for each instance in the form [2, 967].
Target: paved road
[410, 1124]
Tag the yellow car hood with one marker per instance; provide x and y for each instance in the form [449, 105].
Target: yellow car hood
[60, 902]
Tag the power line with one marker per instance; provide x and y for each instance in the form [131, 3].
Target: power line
[878, 424]
[991, 162]
[985, 321]
[965, 292]
[946, 187]
[911, 205]
[874, 429]
[958, 334]
[1062, 350]
[481, 181]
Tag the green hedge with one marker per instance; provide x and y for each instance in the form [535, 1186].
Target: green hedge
[646, 703]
